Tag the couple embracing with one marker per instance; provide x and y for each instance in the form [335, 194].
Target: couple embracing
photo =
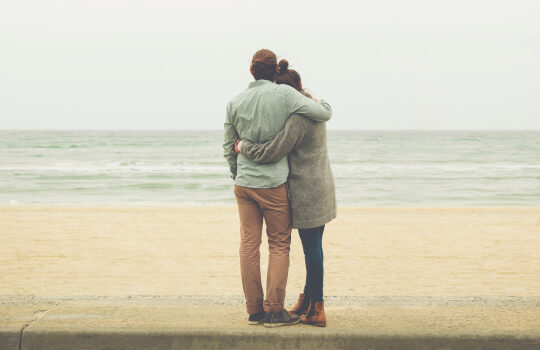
[275, 144]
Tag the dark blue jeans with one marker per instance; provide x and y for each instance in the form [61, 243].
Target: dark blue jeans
[313, 253]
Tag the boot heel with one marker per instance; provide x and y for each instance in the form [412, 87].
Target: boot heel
[301, 306]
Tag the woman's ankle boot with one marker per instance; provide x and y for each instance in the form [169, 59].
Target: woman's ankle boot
[301, 306]
[316, 315]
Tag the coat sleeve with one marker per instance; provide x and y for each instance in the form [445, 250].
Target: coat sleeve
[274, 150]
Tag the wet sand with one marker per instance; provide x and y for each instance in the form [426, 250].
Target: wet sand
[120, 251]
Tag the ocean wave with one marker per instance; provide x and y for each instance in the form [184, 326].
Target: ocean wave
[378, 167]
[182, 167]
[116, 167]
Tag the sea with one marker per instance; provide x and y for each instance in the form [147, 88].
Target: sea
[172, 167]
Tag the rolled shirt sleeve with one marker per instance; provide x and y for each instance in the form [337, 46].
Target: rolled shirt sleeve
[230, 137]
[316, 110]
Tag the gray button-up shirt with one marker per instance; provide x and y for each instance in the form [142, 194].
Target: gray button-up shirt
[258, 114]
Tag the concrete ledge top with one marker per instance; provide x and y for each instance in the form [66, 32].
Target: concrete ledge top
[353, 301]
[219, 322]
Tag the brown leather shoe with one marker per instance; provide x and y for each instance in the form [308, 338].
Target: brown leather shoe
[301, 307]
[315, 315]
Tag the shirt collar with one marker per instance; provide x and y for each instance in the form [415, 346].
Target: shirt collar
[259, 82]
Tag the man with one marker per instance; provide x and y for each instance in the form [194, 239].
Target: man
[258, 114]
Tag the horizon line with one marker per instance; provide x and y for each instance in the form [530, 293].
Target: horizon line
[194, 130]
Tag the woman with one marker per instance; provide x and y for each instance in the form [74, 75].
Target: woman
[311, 191]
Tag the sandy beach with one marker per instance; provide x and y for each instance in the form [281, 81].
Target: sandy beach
[120, 251]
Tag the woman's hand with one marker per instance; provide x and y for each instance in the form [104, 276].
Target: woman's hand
[237, 146]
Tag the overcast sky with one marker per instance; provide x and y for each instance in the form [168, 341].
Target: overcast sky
[134, 64]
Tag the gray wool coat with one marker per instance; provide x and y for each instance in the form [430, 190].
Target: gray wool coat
[310, 182]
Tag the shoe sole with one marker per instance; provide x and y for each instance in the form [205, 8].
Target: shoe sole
[255, 323]
[299, 315]
[273, 325]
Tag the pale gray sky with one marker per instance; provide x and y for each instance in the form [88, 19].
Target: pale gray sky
[132, 64]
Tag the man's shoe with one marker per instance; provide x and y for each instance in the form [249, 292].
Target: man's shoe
[301, 306]
[257, 318]
[279, 319]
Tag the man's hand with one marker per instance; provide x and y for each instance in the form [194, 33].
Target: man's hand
[236, 146]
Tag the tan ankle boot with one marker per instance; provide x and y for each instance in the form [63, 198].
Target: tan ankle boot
[301, 307]
[316, 317]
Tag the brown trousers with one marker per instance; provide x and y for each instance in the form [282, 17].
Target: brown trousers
[272, 204]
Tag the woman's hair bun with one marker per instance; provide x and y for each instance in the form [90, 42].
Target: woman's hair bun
[283, 65]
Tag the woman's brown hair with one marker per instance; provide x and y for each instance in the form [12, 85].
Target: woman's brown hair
[289, 77]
